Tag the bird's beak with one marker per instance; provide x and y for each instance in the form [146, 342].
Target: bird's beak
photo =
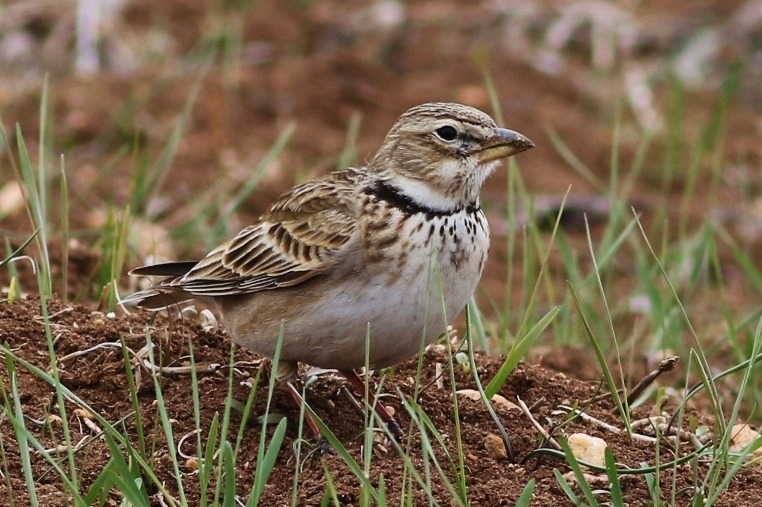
[503, 143]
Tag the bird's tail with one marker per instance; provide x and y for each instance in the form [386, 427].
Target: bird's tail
[166, 292]
[157, 298]
[172, 269]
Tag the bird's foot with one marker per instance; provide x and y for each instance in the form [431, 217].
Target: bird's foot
[324, 447]
[394, 430]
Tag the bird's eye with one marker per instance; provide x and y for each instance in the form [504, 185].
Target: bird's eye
[447, 133]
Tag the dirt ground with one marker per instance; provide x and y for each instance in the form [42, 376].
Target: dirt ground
[98, 377]
[318, 64]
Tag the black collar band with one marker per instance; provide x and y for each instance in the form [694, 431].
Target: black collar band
[391, 194]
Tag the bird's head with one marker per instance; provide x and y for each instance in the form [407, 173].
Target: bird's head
[439, 154]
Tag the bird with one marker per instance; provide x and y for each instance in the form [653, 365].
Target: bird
[384, 254]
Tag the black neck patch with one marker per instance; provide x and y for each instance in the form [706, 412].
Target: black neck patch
[383, 191]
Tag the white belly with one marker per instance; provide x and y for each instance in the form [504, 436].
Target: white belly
[397, 306]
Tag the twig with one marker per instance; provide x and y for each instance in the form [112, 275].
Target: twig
[604, 425]
[352, 400]
[648, 421]
[56, 314]
[537, 425]
[438, 375]
[145, 363]
[588, 418]
[182, 370]
[666, 365]
[62, 448]
[78, 353]
[182, 441]
[659, 423]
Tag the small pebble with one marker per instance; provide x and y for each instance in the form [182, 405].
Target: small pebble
[741, 435]
[501, 402]
[495, 447]
[191, 464]
[498, 400]
[588, 449]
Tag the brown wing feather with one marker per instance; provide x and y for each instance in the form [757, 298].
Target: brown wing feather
[296, 239]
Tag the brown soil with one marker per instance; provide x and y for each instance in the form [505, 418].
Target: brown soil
[315, 64]
[98, 377]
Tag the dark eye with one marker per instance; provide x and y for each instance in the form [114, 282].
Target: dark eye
[447, 133]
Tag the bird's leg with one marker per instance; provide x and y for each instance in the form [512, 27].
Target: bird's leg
[288, 372]
[325, 447]
[359, 385]
[294, 390]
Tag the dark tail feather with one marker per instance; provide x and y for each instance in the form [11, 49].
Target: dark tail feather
[157, 299]
[166, 269]
[163, 294]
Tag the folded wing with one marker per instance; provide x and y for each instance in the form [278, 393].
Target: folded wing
[299, 237]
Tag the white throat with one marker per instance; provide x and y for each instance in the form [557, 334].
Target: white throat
[420, 192]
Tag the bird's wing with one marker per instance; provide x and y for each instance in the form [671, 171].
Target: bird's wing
[298, 238]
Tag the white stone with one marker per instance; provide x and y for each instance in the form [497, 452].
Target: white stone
[588, 449]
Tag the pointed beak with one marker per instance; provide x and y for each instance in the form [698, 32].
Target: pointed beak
[503, 143]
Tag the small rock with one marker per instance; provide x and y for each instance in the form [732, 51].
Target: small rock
[495, 447]
[588, 449]
[601, 481]
[741, 435]
[471, 394]
[85, 414]
[501, 402]
[191, 464]
[498, 400]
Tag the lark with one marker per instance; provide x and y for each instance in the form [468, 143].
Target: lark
[384, 255]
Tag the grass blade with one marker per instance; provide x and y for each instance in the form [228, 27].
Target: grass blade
[265, 466]
[21, 433]
[525, 498]
[607, 375]
[611, 473]
[520, 348]
[228, 463]
[571, 459]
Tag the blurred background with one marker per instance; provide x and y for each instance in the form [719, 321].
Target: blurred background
[177, 122]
